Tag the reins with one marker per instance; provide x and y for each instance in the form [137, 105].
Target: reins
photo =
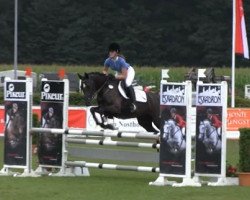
[100, 89]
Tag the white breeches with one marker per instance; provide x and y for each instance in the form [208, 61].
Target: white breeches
[130, 76]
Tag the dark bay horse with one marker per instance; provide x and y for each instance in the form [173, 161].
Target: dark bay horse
[112, 104]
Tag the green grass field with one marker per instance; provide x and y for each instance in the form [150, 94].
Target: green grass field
[109, 185]
[122, 185]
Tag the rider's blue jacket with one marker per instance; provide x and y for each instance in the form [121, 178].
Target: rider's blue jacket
[117, 64]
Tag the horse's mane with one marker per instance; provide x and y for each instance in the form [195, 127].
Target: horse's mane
[171, 121]
[96, 73]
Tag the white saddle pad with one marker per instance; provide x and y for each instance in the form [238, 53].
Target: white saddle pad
[139, 94]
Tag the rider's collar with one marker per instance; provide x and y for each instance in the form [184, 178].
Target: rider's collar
[115, 59]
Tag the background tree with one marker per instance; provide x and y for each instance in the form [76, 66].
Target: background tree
[193, 32]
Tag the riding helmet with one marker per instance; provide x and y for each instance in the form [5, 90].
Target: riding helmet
[114, 47]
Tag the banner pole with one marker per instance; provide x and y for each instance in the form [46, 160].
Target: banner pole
[233, 57]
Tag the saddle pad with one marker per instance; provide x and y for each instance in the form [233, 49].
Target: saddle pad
[140, 95]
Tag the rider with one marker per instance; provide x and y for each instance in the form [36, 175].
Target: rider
[213, 118]
[123, 70]
[178, 119]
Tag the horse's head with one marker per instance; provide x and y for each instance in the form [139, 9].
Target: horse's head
[87, 86]
[203, 129]
[91, 83]
[168, 129]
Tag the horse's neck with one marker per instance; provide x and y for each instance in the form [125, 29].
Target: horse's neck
[177, 132]
[99, 82]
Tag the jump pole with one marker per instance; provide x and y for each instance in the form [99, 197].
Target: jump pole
[105, 133]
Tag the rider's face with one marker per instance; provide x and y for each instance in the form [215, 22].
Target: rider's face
[113, 54]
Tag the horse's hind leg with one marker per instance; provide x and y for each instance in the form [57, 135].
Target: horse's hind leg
[146, 122]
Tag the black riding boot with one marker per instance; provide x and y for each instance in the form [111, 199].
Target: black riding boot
[132, 97]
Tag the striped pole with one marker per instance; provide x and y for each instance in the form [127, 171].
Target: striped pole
[118, 134]
[112, 166]
[113, 143]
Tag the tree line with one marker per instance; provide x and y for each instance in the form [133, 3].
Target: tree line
[151, 32]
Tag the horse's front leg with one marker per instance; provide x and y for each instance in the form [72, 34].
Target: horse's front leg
[103, 123]
[95, 110]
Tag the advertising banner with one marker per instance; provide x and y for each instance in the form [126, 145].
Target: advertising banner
[209, 113]
[238, 118]
[173, 129]
[50, 145]
[15, 145]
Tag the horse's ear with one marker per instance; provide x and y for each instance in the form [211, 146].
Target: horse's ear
[80, 76]
[86, 75]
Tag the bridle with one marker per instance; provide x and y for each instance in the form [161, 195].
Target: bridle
[99, 90]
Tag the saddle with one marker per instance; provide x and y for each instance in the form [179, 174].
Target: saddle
[140, 95]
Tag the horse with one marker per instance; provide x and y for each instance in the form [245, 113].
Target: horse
[209, 136]
[111, 103]
[174, 137]
[15, 129]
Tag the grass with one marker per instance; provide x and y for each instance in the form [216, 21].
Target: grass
[109, 185]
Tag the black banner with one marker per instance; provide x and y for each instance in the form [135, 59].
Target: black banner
[50, 145]
[15, 90]
[208, 129]
[52, 91]
[173, 129]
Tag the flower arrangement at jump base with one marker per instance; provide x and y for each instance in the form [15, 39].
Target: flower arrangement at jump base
[231, 171]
